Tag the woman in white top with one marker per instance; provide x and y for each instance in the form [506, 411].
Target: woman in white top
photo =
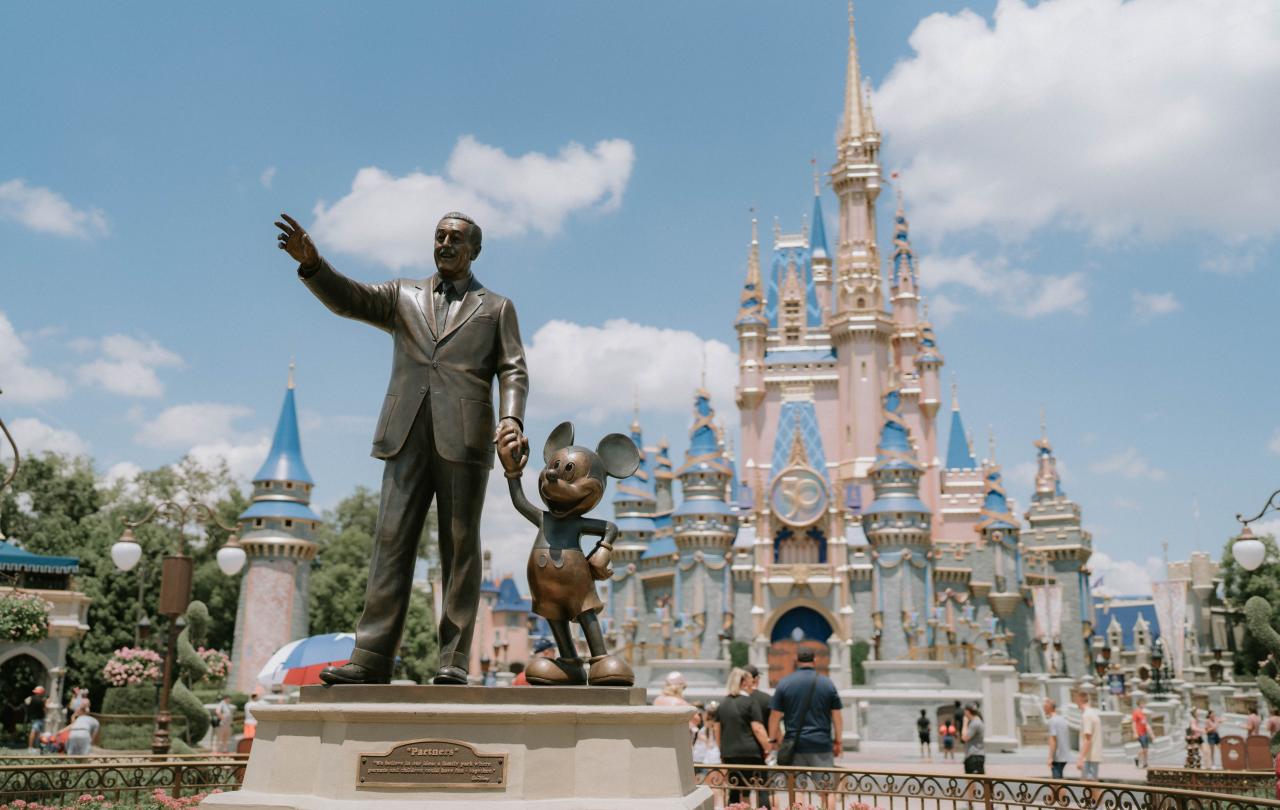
[82, 732]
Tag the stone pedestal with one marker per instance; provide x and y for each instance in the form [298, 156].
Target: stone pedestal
[1058, 689]
[1218, 698]
[999, 684]
[569, 748]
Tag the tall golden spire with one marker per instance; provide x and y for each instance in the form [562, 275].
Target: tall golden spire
[851, 126]
[292, 366]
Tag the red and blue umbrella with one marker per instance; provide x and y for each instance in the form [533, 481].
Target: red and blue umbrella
[300, 662]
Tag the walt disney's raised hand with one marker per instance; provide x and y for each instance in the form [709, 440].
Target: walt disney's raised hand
[296, 242]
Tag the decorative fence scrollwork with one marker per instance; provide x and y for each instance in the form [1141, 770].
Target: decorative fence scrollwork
[758, 785]
[65, 779]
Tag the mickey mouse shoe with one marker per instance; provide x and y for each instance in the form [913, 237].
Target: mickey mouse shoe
[556, 672]
[610, 670]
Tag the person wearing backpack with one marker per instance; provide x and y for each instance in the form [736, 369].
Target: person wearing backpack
[808, 706]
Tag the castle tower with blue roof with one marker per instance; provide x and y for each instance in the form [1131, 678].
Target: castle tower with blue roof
[277, 533]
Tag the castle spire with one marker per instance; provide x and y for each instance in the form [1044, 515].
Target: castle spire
[751, 305]
[1048, 482]
[959, 452]
[284, 460]
[818, 241]
[851, 125]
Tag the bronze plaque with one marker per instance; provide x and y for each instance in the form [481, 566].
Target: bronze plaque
[432, 764]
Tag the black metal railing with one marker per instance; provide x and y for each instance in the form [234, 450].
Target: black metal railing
[58, 780]
[796, 787]
[1246, 783]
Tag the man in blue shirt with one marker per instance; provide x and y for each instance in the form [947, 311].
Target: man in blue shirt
[818, 732]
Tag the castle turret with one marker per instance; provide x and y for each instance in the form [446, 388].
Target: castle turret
[898, 526]
[703, 520]
[1057, 551]
[634, 504]
[277, 533]
[819, 255]
[663, 478]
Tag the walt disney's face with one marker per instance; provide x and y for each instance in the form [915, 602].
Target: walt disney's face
[568, 484]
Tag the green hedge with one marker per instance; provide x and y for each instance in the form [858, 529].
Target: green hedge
[130, 700]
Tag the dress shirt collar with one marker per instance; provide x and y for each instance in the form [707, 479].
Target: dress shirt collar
[460, 286]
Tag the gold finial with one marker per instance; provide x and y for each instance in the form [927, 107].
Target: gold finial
[704, 366]
[1044, 430]
[991, 443]
[817, 191]
[292, 366]
[852, 125]
[955, 395]
[777, 229]
[755, 230]
[635, 409]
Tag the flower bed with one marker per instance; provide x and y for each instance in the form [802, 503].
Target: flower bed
[132, 666]
[24, 617]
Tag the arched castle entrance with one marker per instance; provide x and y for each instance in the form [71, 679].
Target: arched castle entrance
[799, 627]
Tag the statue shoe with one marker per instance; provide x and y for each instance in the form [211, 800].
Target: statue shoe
[610, 670]
[351, 674]
[450, 676]
[556, 672]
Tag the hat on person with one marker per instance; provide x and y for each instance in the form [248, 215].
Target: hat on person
[39, 690]
[543, 644]
[805, 655]
[676, 679]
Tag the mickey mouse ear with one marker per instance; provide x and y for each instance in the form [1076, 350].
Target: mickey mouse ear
[620, 455]
[559, 439]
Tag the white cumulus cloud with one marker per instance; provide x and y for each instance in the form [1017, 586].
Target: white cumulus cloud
[194, 423]
[1149, 305]
[1016, 291]
[128, 366]
[1274, 444]
[242, 458]
[1128, 463]
[1113, 577]
[46, 211]
[19, 380]
[34, 437]
[593, 372]
[267, 177]
[1096, 114]
[391, 219]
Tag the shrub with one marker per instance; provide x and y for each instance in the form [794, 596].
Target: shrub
[24, 617]
[132, 666]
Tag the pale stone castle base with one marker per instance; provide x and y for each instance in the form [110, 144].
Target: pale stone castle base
[567, 748]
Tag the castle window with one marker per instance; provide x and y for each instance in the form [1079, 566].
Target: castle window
[288, 485]
[267, 485]
[288, 524]
[257, 522]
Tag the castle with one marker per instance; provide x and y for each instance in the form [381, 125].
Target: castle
[841, 519]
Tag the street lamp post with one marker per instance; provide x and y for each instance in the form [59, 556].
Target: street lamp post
[175, 584]
[1247, 549]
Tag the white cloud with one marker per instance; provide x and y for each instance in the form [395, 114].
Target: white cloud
[267, 177]
[122, 472]
[391, 219]
[1149, 305]
[1096, 114]
[1112, 577]
[592, 372]
[1128, 463]
[242, 458]
[127, 366]
[1274, 444]
[192, 424]
[1015, 291]
[34, 437]
[1232, 263]
[942, 309]
[21, 382]
[46, 211]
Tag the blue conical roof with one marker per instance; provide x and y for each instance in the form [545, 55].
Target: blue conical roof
[284, 460]
[818, 242]
[958, 455]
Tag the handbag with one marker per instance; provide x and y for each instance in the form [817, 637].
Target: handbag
[787, 750]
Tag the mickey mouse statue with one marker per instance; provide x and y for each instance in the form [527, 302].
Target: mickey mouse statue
[561, 578]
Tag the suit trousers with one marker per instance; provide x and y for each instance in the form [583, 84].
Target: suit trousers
[410, 480]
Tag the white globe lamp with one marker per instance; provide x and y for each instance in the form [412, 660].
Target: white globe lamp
[1248, 550]
[231, 556]
[126, 552]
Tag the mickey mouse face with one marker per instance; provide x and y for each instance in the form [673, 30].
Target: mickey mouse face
[572, 483]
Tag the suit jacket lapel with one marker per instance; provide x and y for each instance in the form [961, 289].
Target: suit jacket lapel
[470, 303]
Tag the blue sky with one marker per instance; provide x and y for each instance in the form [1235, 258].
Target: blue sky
[1092, 187]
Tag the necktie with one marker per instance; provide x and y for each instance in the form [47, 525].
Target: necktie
[442, 307]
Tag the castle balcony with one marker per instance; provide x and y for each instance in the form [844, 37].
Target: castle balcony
[795, 579]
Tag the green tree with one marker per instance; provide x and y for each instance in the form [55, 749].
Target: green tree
[1239, 586]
